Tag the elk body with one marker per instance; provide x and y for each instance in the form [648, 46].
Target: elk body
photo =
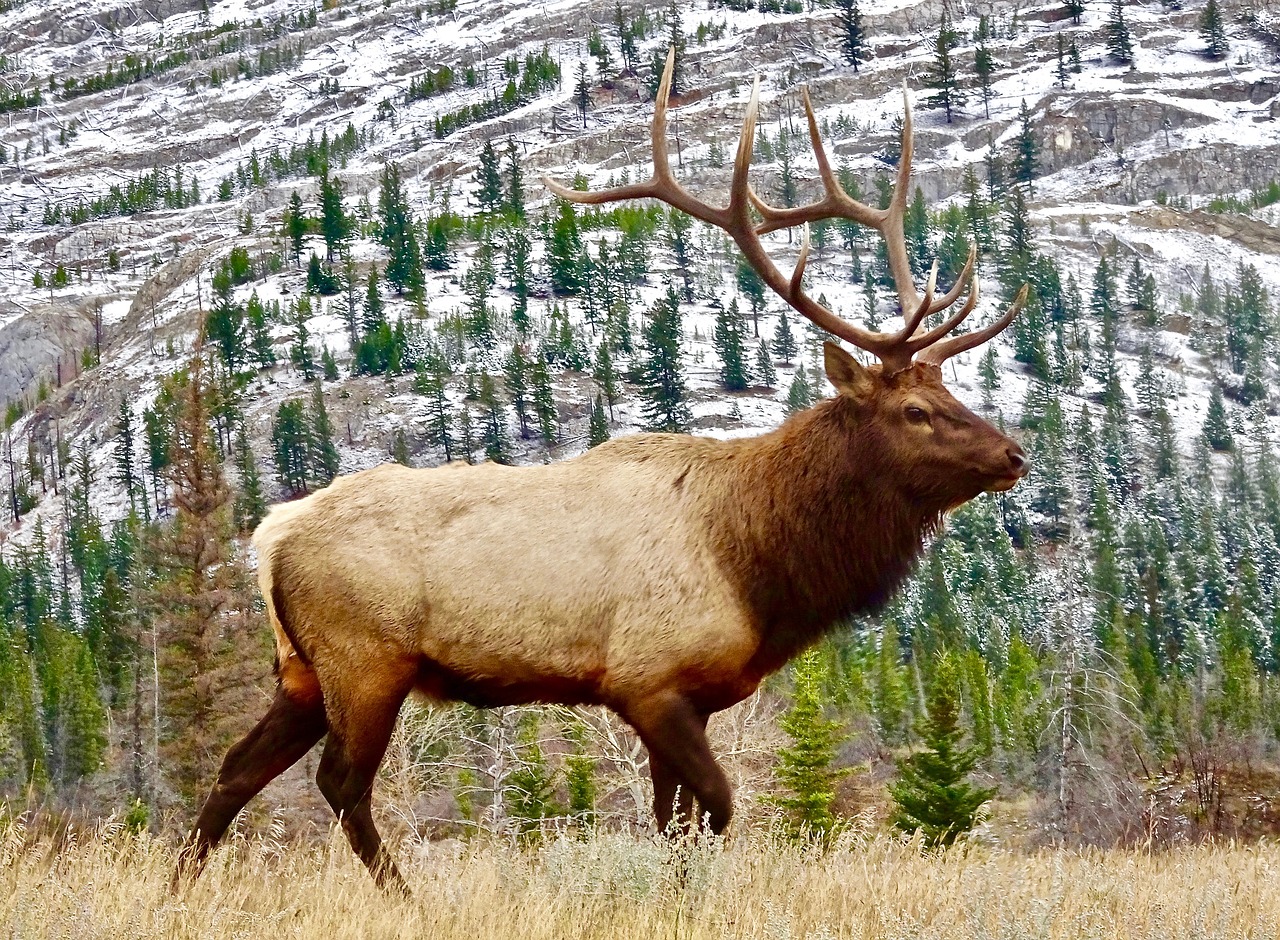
[663, 576]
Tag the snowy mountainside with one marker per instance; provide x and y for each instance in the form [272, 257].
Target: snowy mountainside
[1130, 159]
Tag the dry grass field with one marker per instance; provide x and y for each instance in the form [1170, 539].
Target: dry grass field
[106, 884]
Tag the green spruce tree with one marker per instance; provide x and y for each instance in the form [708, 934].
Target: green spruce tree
[931, 793]
[662, 380]
[852, 34]
[806, 765]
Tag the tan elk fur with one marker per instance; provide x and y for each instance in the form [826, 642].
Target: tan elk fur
[651, 562]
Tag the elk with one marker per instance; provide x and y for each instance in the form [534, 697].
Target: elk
[663, 576]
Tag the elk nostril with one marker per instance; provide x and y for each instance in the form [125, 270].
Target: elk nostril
[1017, 461]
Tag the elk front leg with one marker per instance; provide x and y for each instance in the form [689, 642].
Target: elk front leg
[675, 733]
[672, 801]
[288, 730]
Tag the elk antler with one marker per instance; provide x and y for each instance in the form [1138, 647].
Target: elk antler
[896, 349]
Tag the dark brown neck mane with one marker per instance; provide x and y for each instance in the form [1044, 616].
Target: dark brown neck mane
[815, 527]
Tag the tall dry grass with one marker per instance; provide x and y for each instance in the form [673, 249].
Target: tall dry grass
[110, 885]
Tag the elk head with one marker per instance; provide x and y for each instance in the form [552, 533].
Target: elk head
[935, 448]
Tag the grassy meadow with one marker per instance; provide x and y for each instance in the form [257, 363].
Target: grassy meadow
[107, 884]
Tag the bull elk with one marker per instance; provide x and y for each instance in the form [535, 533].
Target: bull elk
[663, 576]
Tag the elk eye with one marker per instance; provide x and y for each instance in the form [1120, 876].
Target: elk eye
[917, 415]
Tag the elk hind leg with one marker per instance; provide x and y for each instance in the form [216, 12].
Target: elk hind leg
[290, 728]
[360, 728]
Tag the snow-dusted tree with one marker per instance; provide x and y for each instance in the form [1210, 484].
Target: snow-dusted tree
[1118, 42]
[1025, 158]
[1213, 29]
[944, 75]
[489, 179]
[323, 452]
[597, 422]
[984, 68]
[335, 224]
[582, 92]
[784, 341]
[662, 385]
[853, 36]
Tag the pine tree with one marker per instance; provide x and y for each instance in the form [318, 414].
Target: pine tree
[225, 324]
[300, 354]
[597, 423]
[679, 226]
[1025, 160]
[784, 341]
[335, 225]
[1216, 430]
[74, 717]
[436, 251]
[295, 226]
[1075, 10]
[853, 36]
[430, 382]
[260, 344]
[598, 48]
[1213, 29]
[943, 74]
[126, 464]
[799, 393]
[662, 379]
[1119, 44]
[984, 68]
[805, 767]
[606, 377]
[489, 180]
[515, 182]
[291, 440]
[752, 285]
[931, 794]
[208, 643]
[1063, 68]
[374, 313]
[250, 503]
[323, 453]
[518, 267]
[916, 231]
[764, 373]
[626, 39]
[676, 42]
[497, 447]
[729, 347]
[544, 402]
[516, 374]
[397, 232]
[582, 92]
[564, 250]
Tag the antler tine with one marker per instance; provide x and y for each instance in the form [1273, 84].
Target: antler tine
[835, 204]
[951, 296]
[940, 352]
[662, 185]
[927, 339]
[740, 195]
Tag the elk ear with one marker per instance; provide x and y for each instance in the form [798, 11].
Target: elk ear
[848, 375]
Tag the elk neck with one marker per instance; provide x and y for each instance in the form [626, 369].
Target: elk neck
[814, 526]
